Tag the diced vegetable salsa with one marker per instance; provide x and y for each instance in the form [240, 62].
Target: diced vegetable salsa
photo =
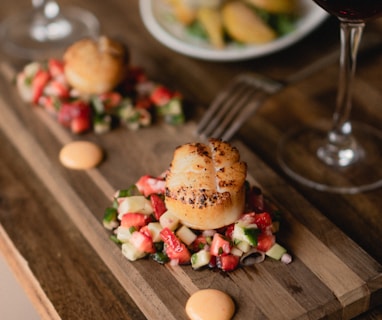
[141, 224]
[134, 103]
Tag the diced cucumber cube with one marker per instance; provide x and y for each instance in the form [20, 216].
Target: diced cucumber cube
[276, 251]
[245, 232]
[155, 228]
[200, 259]
[131, 252]
[186, 235]
[236, 251]
[168, 220]
[134, 204]
[243, 246]
[123, 233]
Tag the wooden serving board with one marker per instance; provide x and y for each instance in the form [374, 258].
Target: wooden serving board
[330, 276]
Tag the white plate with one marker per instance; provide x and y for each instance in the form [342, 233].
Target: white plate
[155, 16]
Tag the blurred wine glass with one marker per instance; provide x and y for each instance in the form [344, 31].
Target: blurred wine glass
[45, 29]
[345, 157]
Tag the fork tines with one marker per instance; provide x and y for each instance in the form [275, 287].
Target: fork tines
[232, 107]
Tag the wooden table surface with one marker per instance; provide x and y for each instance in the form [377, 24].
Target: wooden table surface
[50, 217]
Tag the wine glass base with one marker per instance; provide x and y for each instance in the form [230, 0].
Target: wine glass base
[297, 156]
[23, 37]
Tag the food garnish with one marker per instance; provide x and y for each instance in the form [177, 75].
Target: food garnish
[135, 101]
[211, 304]
[80, 155]
[140, 222]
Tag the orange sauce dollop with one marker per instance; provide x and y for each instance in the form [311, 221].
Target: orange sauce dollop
[80, 155]
[210, 304]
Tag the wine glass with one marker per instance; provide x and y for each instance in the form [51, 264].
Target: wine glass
[344, 157]
[46, 29]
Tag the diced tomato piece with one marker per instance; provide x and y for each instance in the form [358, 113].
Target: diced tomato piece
[263, 220]
[148, 185]
[220, 245]
[142, 242]
[265, 242]
[161, 95]
[175, 249]
[56, 67]
[227, 262]
[38, 83]
[158, 205]
[136, 220]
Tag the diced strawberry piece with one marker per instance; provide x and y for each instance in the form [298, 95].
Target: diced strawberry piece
[263, 220]
[49, 103]
[75, 115]
[213, 262]
[265, 242]
[143, 103]
[148, 185]
[38, 83]
[56, 67]
[161, 95]
[145, 229]
[220, 245]
[136, 220]
[199, 243]
[57, 88]
[142, 242]
[110, 99]
[229, 231]
[182, 256]
[80, 124]
[248, 218]
[158, 204]
[170, 239]
[64, 115]
[175, 249]
[227, 262]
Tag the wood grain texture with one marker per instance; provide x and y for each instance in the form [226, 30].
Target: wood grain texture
[338, 289]
[331, 277]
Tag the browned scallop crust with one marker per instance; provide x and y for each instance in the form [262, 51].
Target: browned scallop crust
[205, 184]
[95, 67]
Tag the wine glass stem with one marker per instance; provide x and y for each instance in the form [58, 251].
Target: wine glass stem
[341, 148]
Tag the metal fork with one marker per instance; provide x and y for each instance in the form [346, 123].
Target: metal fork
[247, 92]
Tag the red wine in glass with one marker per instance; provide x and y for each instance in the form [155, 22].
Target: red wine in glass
[354, 10]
